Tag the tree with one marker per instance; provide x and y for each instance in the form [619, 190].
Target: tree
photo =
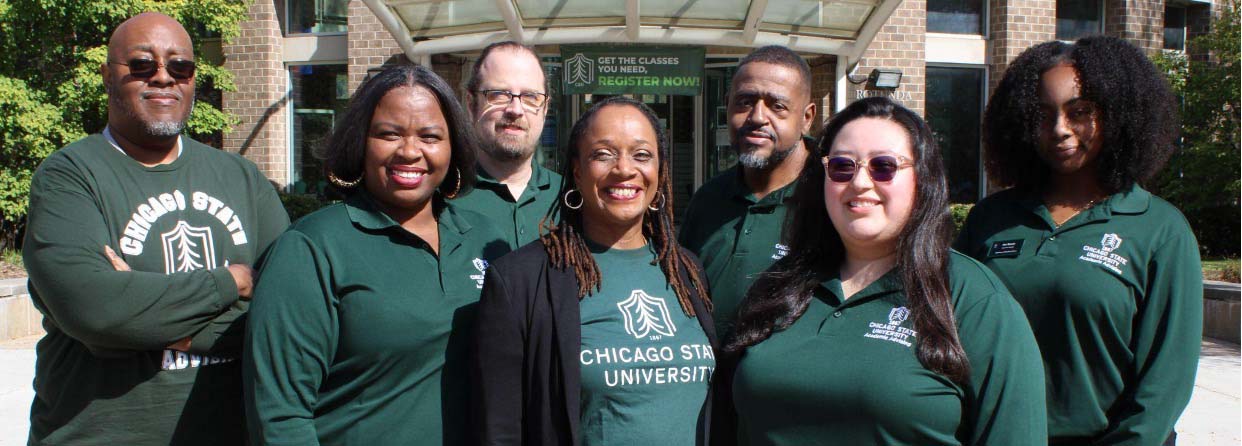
[51, 92]
[1202, 179]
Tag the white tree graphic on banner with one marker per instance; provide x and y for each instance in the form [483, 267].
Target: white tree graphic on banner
[646, 315]
[581, 70]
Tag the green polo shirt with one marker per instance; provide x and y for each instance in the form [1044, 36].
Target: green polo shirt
[736, 236]
[358, 333]
[846, 372]
[1115, 297]
[646, 365]
[517, 219]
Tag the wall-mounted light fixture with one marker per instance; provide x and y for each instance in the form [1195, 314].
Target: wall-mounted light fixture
[884, 79]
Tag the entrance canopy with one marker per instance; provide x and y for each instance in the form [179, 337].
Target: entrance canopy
[839, 27]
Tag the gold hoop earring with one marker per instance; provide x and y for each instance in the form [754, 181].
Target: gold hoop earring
[332, 178]
[660, 196]
[565, 199]
[457, 189]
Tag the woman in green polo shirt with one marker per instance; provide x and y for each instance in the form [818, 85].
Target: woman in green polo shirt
[1108, 274]
[870, 331]
[600, 332]
[359, 327]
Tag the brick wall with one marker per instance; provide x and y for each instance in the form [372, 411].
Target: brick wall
[1014, 26]
[370, 45]
[823, 85]
[900, 44]
[1139, 21]
[260, 101]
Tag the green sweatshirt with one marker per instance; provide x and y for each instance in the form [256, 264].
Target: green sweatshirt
[359, 333]
[517, 219]
[846, 372]
[646, 365]
[1115, 296]
[102, 375]
[736, 236]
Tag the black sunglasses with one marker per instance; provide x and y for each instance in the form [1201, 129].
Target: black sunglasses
[144, 68]
[882, 168]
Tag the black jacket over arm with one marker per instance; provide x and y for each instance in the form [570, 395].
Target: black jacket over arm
[525, 363]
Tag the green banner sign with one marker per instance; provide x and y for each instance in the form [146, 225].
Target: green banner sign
[632, 69]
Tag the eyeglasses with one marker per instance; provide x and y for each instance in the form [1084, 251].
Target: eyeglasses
[531, 100]
[882, 168]
[144, 68]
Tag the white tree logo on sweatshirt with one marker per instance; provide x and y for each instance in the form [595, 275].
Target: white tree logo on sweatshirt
[646, 316]
[188, 248]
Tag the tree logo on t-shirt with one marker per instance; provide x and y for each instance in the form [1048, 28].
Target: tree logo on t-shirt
[188, 248]
[646, 316]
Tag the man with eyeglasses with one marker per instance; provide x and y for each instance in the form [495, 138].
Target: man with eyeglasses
[734, 221]
[138, 245]
[509, 101]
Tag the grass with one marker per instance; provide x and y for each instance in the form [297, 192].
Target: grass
[1222, 268]
[11, 256]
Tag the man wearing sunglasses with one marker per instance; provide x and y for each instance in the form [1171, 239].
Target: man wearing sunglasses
[734, 220]
[509, 101]
[138, 245]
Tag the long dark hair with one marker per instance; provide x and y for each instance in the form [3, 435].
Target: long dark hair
[564, 241]
[1137, 111]
[343, 156]
[781, 294]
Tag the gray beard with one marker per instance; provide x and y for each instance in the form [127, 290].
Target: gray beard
[163, 128]
[159, 129]
[506, 152]
[752, 160]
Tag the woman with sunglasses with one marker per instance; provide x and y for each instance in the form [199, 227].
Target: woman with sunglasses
[600, 332]
[359, 329]
[1108, 274]
[871, 331]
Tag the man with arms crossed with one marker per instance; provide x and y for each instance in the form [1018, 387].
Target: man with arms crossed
[138, 247]
[734, 220]
[509, 101]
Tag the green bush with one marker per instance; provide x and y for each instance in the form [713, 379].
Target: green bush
[959, 213]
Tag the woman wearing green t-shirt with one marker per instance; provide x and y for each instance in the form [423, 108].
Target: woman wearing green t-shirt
[600, 331]
[1107, 273]
[870, 331]
[358, 332]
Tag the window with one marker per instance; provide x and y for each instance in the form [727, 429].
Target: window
[955, 16]
[954, 110]
[320, 93]
[317, 16]
[1079, 18]
[1174, 28]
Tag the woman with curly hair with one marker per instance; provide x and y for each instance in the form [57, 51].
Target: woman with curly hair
[871, 331]
[1108, 274]
[600, 332]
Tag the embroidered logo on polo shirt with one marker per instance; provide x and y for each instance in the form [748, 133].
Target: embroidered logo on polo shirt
[480, 265]
[1104, 255]
[646, 316]
[781, 251]
[893, 331]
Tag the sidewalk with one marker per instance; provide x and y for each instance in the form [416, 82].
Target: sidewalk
[1212, 419]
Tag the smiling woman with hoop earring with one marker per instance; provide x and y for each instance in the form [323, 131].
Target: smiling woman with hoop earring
[359, 330]
[600, 332]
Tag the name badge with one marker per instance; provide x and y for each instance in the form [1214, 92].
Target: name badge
[1005, 248]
